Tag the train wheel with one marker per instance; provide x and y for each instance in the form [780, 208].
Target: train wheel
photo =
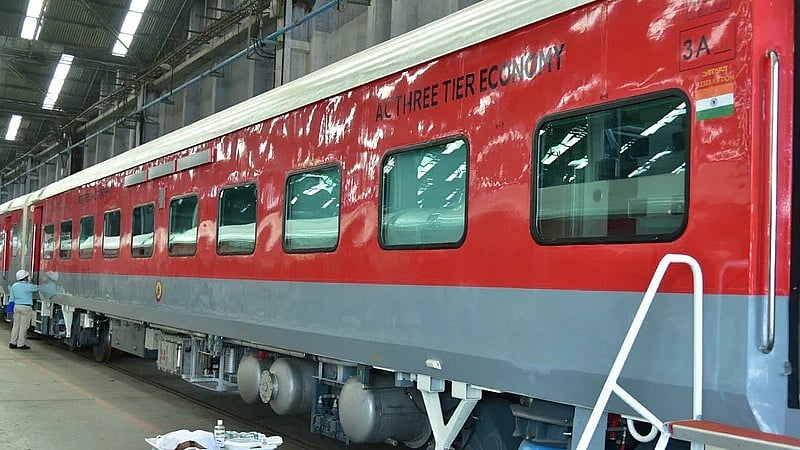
[102, 348]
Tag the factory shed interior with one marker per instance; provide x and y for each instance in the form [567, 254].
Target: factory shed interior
[422, 224]
[137, 70]
[82, 81]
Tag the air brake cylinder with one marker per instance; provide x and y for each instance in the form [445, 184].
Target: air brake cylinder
[289, 386]
[382, 412]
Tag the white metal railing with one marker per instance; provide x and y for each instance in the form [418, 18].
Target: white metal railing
[611, 385]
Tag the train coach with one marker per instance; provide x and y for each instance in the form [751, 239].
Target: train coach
[444, 239]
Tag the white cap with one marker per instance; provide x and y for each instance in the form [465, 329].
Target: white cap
[22, 274]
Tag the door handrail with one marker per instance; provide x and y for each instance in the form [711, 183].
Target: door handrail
[611, 385]
[774, 62]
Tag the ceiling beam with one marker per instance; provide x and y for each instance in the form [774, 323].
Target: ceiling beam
[29, 110]
[47, 52]
[13, 146]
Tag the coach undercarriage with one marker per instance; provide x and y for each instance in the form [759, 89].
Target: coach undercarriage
[346, 401]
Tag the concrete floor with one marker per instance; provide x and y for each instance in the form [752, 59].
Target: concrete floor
[54, 399]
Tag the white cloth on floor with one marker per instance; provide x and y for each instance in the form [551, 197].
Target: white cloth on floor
[172, 439]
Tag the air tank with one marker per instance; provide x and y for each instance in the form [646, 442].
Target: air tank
[289, 387]
[381, 411]
[248, 377]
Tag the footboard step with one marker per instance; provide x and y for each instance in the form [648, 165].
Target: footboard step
[718, 436]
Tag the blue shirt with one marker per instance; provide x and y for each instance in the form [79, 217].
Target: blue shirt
[22, 293]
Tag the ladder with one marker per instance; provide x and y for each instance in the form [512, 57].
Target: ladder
[612, 387]
[701, 433]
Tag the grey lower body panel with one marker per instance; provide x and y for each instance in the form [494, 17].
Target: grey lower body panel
[554, 345]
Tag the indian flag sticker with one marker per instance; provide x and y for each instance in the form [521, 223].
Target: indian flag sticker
[714, 101]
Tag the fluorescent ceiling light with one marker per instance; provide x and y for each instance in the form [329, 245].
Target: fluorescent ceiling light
[578, 164]
[62, 70]
[30, 27]
[129, 27]
[552, 155]
[646, 166]
[453, 146]
[131, 23]
[138, 5]
[672, 115]
[458, 173]
[13, 127]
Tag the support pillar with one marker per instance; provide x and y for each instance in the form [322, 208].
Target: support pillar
[445, 433]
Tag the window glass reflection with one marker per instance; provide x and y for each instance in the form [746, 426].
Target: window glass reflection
[613, 175]
[142, 230]
[424, 196]
[236, 224]
[183, 226]
[312, 210]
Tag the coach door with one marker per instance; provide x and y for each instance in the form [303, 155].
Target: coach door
[794, 266]
[794, 286]
[5, 243]
[14, 249]
[34, 241]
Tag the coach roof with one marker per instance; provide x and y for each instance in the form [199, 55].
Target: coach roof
[438, 38]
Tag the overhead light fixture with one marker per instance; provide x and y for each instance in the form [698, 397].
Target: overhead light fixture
[129, 27]
[31, 26]
[647, 165]
[668, 118]
[569, 140]
[13, 127]
[62, 70]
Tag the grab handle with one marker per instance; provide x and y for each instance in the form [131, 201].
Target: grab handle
[774, 69]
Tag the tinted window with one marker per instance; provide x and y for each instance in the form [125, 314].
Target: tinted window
[183, 226]
[236, 224]
[65, 240]
[86, 239]
[423, 196]
[615, 175]
[111, 233]
[142, 231]
[48, 241]
[312, 210]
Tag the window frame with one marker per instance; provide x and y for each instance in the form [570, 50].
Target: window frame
[71, 239]
[197, 227]
[297, 172]
[382, 193]
[219, 213]
[80, 233]
[133, 217]
[595, 108]
[44, 241]
[111, 253]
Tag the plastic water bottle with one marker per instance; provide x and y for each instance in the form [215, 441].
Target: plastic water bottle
[219, 433]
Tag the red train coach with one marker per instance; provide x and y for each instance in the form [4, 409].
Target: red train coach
[475, 208]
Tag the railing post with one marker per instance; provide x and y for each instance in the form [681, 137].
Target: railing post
[611, 385]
